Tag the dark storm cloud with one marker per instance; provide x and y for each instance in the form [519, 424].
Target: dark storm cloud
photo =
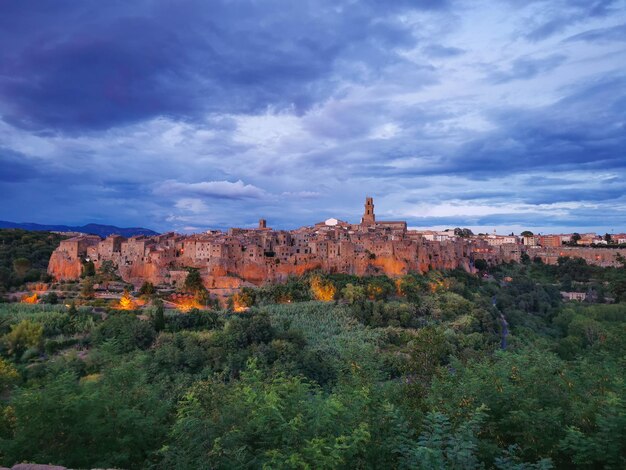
[210, 114]
[15, 168]
[93, 65]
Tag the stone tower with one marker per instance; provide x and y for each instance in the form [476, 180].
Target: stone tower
[262, 224]
[368, 216]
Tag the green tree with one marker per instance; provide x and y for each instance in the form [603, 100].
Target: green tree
[158, 316]
[125, 333]
[51, 298]
[31, 250]
[441, 447]
[21, 266]
[526, 233]
[412, 288]
[379, 288]
[481, 265]
[526, 394]
[604, 445]
[107, 271]
[89, 269]
[23, 335]
[618, 288]
[428, 351]
[87, 291]
[281, 422]
[117, 420]
[147, 289]
[463, 232]
[354, 294]
[246, 297]
[193, 281]
[8, 375]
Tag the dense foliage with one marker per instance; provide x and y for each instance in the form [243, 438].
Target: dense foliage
[24, 256]
[444, 370]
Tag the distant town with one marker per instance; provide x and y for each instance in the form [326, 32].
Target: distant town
[527, 238]
[245, 257]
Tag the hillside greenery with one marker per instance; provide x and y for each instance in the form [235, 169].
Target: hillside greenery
[24, 256]
[436, 371]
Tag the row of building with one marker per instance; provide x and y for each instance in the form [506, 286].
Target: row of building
[263, 254]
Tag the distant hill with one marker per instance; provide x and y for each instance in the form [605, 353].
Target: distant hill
[94, 229]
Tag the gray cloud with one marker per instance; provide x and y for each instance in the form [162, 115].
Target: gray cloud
[210, 115]
[614, 33]
[214, 189]
[525, 68]
[558, 15]
[439, 51]
[87, 68]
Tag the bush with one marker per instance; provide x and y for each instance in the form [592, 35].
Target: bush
[194, 320]
[24, 335]
[126, 332]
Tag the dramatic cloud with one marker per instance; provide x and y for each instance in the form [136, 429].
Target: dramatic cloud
[213, 189]
[549, 17]
[607, 35]
[525, 68]
[13, 168]
[94, 65]
[193, 115]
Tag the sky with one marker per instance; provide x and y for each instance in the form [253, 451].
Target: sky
[188, 115]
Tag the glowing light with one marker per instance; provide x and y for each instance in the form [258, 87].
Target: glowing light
[32, 299]
[439, 284]
[188, 304]
[322, 289]
[126, 302]
[374, 292]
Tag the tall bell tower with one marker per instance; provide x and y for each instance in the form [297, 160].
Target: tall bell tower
[368, 216]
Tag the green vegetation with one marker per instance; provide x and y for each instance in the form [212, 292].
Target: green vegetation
[444, 370]
[24, 256]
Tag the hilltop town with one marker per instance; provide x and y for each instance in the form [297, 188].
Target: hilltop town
[242, 256]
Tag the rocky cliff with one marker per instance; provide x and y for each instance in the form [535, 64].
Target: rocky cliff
[62, 267]
[232, 272]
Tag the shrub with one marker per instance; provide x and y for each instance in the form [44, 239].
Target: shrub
[126, 332]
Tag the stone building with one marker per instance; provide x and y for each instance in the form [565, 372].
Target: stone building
[239, 256]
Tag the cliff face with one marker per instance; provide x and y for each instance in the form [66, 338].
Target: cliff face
[137, 273]
[391, 266]
[232, 274]
[62, 267]
[227, 262]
